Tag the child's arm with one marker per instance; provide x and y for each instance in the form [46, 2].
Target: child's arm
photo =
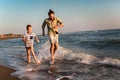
[24, 40]
[37, 39]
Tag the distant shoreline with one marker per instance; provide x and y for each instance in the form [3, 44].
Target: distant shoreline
[10, 36]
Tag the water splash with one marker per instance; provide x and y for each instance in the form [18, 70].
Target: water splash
[63, 53]
[67, 63]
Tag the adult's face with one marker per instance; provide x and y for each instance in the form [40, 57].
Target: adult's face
[51, 16]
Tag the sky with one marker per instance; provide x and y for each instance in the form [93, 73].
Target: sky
[77, 15]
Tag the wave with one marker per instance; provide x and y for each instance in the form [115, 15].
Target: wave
[113, 41]
[63, 53]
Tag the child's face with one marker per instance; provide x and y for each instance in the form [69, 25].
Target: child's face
[29, 30]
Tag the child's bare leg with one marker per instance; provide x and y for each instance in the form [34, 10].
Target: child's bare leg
[28, 55]
[33, 54]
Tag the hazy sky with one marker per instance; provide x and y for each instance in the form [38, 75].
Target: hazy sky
[77, 15]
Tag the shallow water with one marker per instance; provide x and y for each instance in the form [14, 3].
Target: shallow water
[77, 58]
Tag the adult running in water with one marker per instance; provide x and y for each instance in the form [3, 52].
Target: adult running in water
[53, 24]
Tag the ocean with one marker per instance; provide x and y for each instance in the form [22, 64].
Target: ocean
[84, 55]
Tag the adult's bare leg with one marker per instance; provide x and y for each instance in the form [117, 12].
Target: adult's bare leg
[52, 52]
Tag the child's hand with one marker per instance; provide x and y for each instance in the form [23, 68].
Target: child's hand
[38, 41]
[27, 41]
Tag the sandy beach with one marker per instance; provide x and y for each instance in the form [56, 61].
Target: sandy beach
[4, 71]
[5, 74]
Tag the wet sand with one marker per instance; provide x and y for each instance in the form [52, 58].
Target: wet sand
[5, 73]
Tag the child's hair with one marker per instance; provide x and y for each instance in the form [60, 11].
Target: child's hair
[27, 27]
[50, 12]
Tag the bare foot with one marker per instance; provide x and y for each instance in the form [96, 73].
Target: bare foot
[38, 62]
[28, 62]
[52, 62]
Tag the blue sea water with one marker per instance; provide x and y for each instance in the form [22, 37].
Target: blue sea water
[85, 55]
[102, 43]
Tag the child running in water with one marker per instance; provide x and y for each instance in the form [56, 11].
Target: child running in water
[28, 39]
